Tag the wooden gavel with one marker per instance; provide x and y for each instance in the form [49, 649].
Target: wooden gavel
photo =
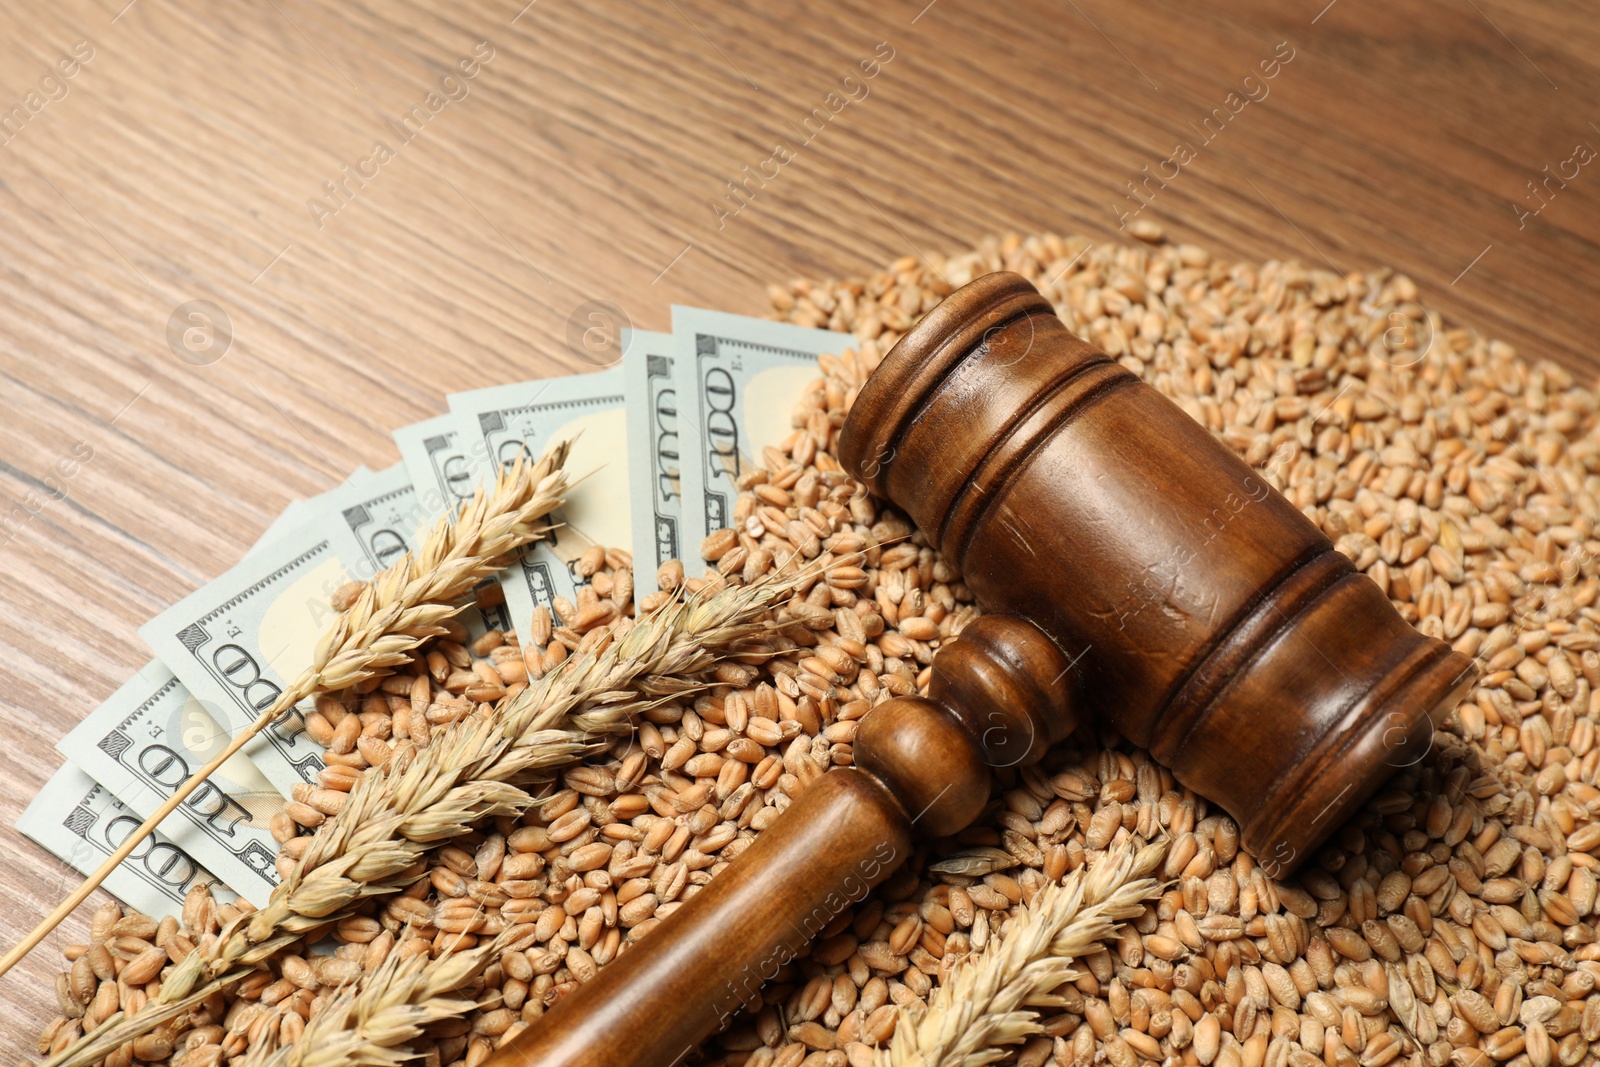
[1141, 572]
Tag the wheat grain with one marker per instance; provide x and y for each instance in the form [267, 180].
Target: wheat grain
[1464, 484]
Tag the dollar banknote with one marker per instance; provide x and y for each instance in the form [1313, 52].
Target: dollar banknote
[146, 740]
[81, 823]
[655, 491]
[737, 380]
[525, 419]
[238, 640]
[375, 521]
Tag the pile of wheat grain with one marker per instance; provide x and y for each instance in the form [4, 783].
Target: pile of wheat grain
[1451, 922]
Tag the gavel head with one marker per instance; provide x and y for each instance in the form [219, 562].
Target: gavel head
[1204, 615]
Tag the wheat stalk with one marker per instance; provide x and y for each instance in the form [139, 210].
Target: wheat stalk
[469, 772]
[984, 1004]
[402, 607]
[406, 603]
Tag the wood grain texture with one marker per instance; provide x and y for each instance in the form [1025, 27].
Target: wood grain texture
[582, 165]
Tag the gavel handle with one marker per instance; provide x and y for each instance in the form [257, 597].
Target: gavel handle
[659, 999]
[1000, 697]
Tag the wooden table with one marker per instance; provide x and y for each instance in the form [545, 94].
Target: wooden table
[589, 157]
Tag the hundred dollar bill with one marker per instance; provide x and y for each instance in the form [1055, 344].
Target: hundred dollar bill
[655, 492]
[146, 740]
[238, 640]
[78, 820]
[375, 521]
[240, 648]
[737, 380]
[525, 419]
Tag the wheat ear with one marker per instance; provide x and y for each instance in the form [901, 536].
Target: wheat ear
[370, 1026]
[983, 1005]
[406, 603]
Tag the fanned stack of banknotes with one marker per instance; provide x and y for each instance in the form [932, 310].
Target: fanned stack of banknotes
[715, 392]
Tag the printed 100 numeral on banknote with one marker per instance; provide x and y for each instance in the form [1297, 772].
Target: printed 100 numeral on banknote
[435, 455]
[78, 820]
[145, 742]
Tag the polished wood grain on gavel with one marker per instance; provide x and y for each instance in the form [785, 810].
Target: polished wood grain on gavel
[1136, 571]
